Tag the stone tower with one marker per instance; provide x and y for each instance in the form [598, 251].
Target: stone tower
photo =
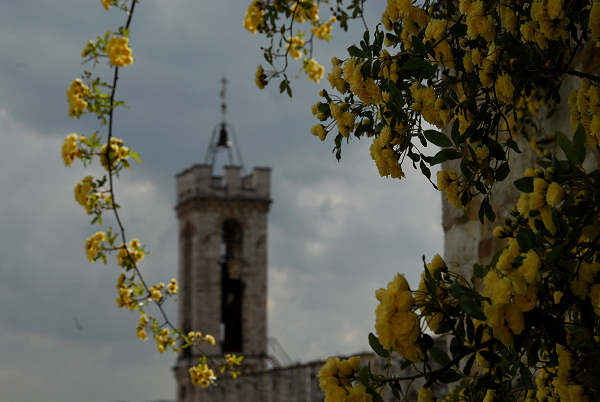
[222, 262]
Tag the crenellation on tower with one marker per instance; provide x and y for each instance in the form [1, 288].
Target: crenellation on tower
[198, 182]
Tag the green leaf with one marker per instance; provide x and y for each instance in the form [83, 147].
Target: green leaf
[524, 184]
[456, 137]
[437, 138]
[136, 157]
[439, 356]
[579, 142]
[449, 376]
[363, 375]
[469, 365]
[525, 376]
[425, 170]
[574, 155]
[445, 155]
[526, 239]
[485, 210]
[355, 51]
[478, 271]
[471, 307]
[502, 172]
[377, 347]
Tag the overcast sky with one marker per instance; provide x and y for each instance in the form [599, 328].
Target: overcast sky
[337, 231]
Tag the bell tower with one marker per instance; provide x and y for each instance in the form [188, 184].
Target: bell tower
[222, 258]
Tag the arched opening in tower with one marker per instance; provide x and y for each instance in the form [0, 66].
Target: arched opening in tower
[232, 287]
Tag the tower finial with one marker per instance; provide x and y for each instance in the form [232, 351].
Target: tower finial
[220, 138]
[222, 95]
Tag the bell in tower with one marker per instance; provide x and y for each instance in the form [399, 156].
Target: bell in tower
[222, 258]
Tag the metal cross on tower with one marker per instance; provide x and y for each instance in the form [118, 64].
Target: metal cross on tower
[220, 139]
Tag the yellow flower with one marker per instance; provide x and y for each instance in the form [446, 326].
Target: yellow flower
[504, 88]
[106, 3]
[202, 375]
[489, 396]
[209, 339]
[76, 96]
[319, 131]
[530, 267]
[172, 287]
[294, 47]
[141, 333]
[260, 78]
[89, 47]
[555, 194]
[119, 52]
[82, 193]
[70, 149]
[314, 70]
[425, 395]
[93, 245]
[595, 298]
[253, 19]
[155, 293]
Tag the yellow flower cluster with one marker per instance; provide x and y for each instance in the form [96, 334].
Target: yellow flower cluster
[172, 287]
[335, 76]
[413, 18]
[155, 292]
[336, 378]
[76, 95]
[317, 113]
[538, 204]
[365, 88]
[508, 18]
[396, 325]
[163, 339]
[232, 361]
[434, 33]
[314, 70]
[585, 109]
[197, 338]
[141, 327]
[89, 47]
[82, 194]
[433, 109]
[253, 18]
[260, 78]
[585, 286]
[93, 245]
[117, 152]
[504, 88]
[70, 149]
[294, 46]
[319, 131]
[119, 52]
[425, 395]
[323, 31]
[129, 256]
[594, 22]
[548, 22]
[553, 383]
[389, 66]
[202, 375]
[308, 10]
[382, 152]
[106, 3]
[447, 181]
[478, 22]
[513, 293]
[125, 292]
[344, 118]
[422, 296]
